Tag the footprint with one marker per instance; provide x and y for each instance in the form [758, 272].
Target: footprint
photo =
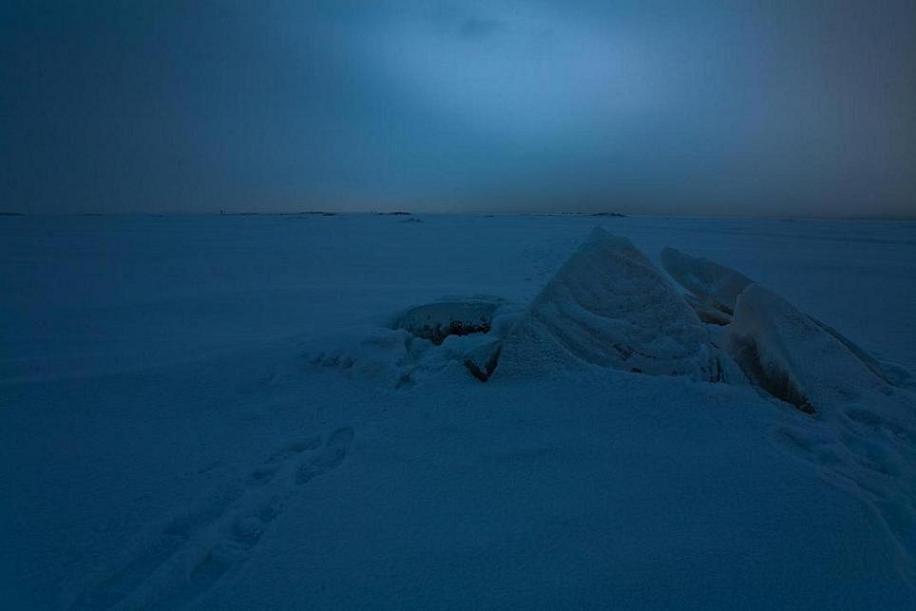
[265, 472]
[877, 457]
[869, 455]
[262, 475]
[191, 551]
[863, 416]
[809, 445]
[333, 453]
[248, 530]
[868, 420]
[294, 447]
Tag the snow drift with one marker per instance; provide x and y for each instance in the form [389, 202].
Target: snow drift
[609, 306]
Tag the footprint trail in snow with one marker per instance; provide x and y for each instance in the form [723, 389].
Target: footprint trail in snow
[185, 556]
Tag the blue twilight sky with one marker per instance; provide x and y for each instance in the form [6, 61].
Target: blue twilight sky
[732, 107]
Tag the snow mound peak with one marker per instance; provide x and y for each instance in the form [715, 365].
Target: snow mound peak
[609, 306]
[713, 285]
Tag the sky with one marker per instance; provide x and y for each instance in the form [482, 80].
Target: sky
[778, 108]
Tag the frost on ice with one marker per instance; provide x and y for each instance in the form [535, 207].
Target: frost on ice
[609, 306]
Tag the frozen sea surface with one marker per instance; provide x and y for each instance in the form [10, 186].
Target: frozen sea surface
[216, 412]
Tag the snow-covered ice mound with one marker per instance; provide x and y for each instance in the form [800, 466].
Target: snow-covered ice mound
[792, 356]
[862, 437]
[715, 288]
[609, 306]
[863, 434]
[715, 291]
[460, 334]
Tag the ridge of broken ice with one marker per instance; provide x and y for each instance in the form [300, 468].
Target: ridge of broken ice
[792, 356]
[609, 306]
[714, 286]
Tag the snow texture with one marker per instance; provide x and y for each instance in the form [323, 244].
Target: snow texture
[865, 438]
[216, 413]
[792, 356]
[608, 306]
[714, 286]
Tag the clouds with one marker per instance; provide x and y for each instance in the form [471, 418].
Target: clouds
[475, 28]
[530, 74]
[690, 107]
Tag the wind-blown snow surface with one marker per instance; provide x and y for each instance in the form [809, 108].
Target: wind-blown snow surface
[215, 411]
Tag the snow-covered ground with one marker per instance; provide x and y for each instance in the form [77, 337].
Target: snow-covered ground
[222, 411]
